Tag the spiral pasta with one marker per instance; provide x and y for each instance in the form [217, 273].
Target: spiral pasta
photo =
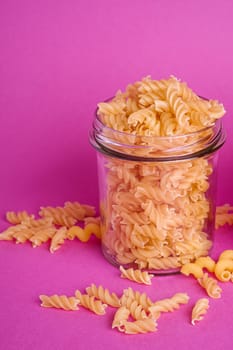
[168, 305]
[154, 214]
[136, 275]
[42, 236]
[199, 310]
[58, 239]
[141, 298]
[90, 303]
[13, 231]
[69, 214]
[104, 295]
[59, 302]
[18, 217]
[136, 310]
[211, 286]
[58, 215]
[120, 317]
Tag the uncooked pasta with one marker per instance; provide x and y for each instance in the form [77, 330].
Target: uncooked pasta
[90, 303]
[211, 286]
[199, 310]
[136, 275]
[156, 167]
[59, 302]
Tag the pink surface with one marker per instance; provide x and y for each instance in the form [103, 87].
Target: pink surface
[57, 60]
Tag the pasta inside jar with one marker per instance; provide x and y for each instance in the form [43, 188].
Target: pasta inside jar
[157, 148]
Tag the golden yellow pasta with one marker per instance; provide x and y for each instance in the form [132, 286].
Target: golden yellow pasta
[224, 269]
[59, 302]
[84, 234]
[90, 303]
[59, 216]
[141, 298]
[120, 317]
[23, 235]
[206, 262]
[58, 239]
[168, 304]
[155, 214]
[199, 310]
[92, 228]
[139, 326]
[136, 275]
[226, 254]
[136, 310]
[42, 236]
[211, 286]
[10, 232]
[193, 269]
[224, 215]
[18, 217]
[104, 295]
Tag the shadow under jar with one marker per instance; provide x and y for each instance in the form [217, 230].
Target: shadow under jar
[157, 196]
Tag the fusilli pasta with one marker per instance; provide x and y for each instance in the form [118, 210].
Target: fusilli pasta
[59, 302]
[199, 310]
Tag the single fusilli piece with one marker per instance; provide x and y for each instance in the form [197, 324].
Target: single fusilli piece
[78, 211]
[104, 295]
[90, 303]
[199, 310]
[17, 217]
[168, 305]
[210, 285]
[136, 275]
[11, 232]
[59, 302]
[59, 216]
[58, 239]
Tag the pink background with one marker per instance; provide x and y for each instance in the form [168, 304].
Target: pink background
[57, 60]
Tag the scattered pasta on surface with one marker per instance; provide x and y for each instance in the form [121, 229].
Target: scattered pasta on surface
[56, 224]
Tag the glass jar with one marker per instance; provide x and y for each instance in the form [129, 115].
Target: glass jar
[157, 196]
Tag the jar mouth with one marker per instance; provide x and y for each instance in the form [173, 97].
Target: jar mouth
[133, 146]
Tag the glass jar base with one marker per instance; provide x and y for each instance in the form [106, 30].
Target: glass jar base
[112, 260]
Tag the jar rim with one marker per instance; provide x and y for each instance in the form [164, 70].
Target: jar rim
[128, 134]
[134, 146]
